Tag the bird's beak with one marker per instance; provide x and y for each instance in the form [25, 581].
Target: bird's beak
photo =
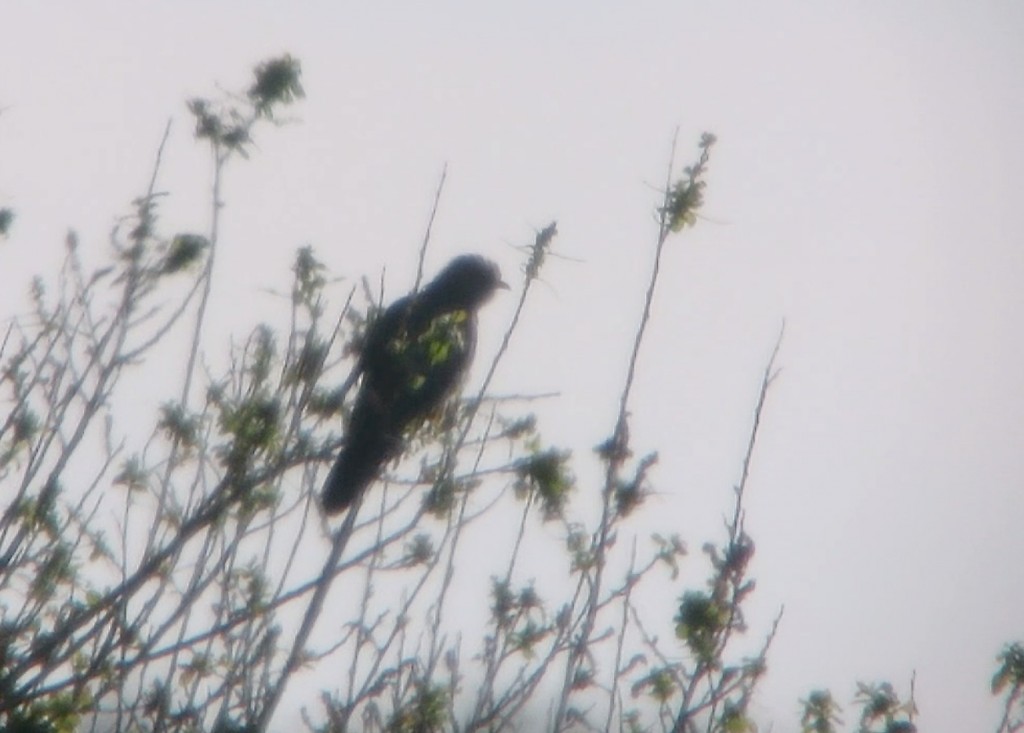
[502, 285]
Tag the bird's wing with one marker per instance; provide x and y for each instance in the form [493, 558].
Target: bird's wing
[438, 355]
[373, 435]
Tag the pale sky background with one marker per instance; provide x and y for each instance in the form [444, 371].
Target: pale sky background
[867, 188]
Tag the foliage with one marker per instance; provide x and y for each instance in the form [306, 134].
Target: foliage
[1009, 681]
[6, 220]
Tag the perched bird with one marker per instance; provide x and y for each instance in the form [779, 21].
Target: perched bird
[414, 356]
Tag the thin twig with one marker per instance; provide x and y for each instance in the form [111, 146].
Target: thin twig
[430, 226]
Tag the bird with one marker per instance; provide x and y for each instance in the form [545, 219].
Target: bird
[414, 356]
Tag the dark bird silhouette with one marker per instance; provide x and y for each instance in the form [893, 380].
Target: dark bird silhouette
[414, 356]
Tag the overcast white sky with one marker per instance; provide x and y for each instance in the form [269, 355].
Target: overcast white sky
[867, 188]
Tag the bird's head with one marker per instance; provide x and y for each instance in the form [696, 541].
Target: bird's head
[468, 281]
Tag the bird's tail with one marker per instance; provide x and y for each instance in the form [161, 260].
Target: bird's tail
[357, 467]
